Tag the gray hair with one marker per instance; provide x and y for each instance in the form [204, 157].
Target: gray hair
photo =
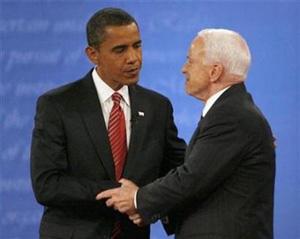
[228, 48]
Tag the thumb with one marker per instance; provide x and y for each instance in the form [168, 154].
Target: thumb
[125, 181]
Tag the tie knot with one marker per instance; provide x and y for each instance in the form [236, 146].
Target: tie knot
[116, 97]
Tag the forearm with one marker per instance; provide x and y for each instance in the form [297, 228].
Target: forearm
[211, 161]
[175, 147]
[54, 179]
[58, 189]
[157, 199]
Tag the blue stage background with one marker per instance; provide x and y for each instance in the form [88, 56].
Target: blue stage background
[42, 46]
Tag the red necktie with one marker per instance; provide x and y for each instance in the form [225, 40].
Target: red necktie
[117, 138]
[117, 135]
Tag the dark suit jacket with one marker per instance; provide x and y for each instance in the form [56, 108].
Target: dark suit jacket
[71, 160]
[225, 187]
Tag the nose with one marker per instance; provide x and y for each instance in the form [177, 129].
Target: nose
[132, 56]
[183, 69]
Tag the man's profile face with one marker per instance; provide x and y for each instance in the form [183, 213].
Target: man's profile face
[195, 71]
[119, 56]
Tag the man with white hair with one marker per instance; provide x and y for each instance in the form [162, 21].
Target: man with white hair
[225, 188]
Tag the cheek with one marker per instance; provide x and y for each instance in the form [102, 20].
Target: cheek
[140, 57]
[193, 75]
[193, 70]
[115, 66]
[189, 85]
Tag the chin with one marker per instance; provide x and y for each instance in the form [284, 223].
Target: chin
[187, 90]
[135, 79]
[131, 81]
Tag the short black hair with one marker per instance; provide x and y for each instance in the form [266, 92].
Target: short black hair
[95, 28]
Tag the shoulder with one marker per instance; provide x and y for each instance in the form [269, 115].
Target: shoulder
[248, 117]
[65, 97]
[240, 110]
[61, 91]
[151, 95]
[67, 92]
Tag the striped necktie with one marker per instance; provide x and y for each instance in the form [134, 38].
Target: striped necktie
[117, 138]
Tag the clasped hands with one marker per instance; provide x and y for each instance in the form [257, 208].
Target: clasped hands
[122, 199]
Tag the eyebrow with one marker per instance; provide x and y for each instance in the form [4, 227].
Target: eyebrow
[125, 46]
[137, 42]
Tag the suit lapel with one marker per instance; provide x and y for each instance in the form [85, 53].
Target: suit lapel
[192, 141]
[90, 109]
[137, 122]
[234, 91]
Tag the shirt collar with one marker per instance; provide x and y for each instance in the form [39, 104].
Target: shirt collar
[211, 100]
[105, 92]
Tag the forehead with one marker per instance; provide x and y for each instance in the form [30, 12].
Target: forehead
[122, 34]
[197, 46]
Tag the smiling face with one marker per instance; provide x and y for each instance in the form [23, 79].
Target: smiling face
[119, 56]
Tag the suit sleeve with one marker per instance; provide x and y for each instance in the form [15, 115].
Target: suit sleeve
[215, 154]
[52, 182]
[173, 157]
[174, 146]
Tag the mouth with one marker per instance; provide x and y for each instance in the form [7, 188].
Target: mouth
[132, 72]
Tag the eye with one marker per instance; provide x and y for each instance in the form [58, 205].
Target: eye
[137, 45]
[119, 50]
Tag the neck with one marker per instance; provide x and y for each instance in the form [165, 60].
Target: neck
[224, 82]
[113, 85]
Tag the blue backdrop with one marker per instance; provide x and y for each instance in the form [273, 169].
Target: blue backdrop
[42, 46]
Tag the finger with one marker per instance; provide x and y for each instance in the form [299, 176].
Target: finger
[131, 212]
[134, 217]
[107, 194]
[104, 194]
[124, 181]
[110, 202]
[138, 221]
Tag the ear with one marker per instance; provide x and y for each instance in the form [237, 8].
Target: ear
[216, 72]
[92, 54]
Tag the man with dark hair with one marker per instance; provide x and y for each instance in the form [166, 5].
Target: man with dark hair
[92, 132]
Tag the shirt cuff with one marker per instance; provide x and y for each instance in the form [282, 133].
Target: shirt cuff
[134, 201]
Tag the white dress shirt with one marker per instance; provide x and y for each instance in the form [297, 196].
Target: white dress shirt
[104, 94]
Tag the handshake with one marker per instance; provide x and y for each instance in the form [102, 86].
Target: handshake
[122, 199]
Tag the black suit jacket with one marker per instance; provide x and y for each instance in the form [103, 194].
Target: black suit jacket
[225, 187]
[71, 159]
